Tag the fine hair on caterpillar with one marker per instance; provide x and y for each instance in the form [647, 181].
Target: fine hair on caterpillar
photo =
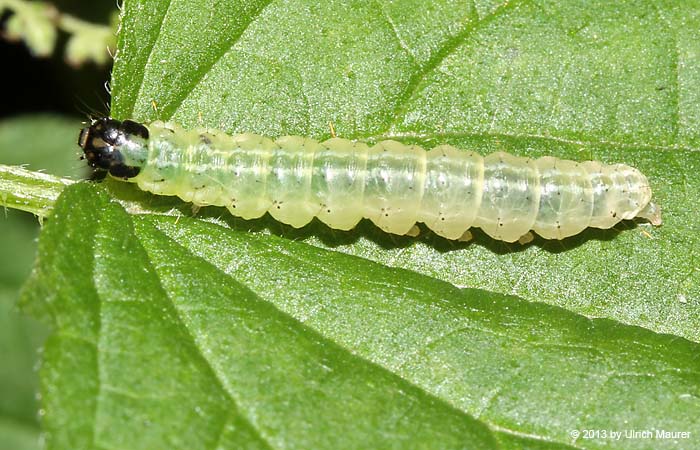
[394, 185]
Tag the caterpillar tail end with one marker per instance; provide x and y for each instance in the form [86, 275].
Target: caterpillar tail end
[652, 213]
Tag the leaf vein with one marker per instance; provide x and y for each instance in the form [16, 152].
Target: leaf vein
[392, 25]
[199, 76]
[418, 77]
[150, 56]
[209, 364]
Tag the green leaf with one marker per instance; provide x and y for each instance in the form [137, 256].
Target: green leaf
[20, 337]
[17, 436]
[163, 322]
[583, 80]
[38, 142]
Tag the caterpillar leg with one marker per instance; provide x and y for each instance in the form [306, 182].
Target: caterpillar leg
[413, 232]
[195, 209]
[466, 237]
[526, 238]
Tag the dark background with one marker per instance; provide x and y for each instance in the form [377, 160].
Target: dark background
[49, 84]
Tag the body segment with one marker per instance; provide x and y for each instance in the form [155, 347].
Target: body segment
[394, 185]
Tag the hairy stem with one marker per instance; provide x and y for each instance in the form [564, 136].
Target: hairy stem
[34, 192]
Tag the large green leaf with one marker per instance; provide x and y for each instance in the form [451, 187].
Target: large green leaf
[250, 333]
[251, 339]
[603, 80]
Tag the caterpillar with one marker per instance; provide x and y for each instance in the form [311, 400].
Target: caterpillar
[394, 185]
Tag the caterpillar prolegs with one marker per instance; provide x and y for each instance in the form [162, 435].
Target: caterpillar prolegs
[394, 185]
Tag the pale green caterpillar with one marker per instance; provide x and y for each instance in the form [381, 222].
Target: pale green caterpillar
[394, 185]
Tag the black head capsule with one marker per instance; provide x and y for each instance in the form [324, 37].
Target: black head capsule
[102, 140]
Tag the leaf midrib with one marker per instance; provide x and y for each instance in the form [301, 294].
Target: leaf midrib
[493, 428]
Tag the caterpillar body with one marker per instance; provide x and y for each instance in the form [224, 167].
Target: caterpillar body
[394, 185]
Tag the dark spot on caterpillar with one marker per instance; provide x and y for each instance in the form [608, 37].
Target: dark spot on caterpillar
[134, 128]
[205, 139]
[124, 172]
[101, 141]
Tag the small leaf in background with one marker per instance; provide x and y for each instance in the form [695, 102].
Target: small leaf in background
[90, 45]
[90, 42]
[37, 23]
[33, 23]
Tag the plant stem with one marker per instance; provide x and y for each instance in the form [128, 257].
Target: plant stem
[30, 191]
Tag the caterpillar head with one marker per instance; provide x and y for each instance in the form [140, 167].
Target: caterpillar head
[102, 140]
